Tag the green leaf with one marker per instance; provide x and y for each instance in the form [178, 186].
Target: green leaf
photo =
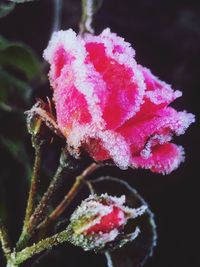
[13, 146]
[6, 8]
[21, 1]
[7, 81]
[135, 253]
[16, 148]
[19, 57]
[5, 106]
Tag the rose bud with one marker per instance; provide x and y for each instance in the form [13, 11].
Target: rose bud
[100, 220]
[35, 124]
[112, 107]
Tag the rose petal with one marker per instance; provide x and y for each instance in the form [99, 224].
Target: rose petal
[108, 222]
[162, 124]
[112, 58]
[157, 91]
[164, 159]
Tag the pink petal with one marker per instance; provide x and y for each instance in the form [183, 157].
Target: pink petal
[95, 148]
[113, 59]
[160, 124]
[110, 221]
[64, 53]
[158, 92]
[71, 108]
[164, 159]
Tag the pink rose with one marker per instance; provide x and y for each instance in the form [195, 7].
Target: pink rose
[112, 107]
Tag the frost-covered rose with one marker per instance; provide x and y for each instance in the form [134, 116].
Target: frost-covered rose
[100, 220]
[112, 107]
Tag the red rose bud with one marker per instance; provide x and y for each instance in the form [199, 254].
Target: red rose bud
[100, 220]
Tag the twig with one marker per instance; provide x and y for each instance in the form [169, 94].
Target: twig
[5, 242]
[87, 15]
[69, 197]
[57, 15]
[45, 244]
[43, 207]
[34, 185]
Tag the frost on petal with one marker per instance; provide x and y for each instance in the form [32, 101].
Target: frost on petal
[109, 146]
[101, 145]
[71, 108]
[113, 59]
[74, 82]
[117, 148]
[157, 91]
[66, 53]
[96, 150]
[164, 159]
[108, 222]
[145, 132]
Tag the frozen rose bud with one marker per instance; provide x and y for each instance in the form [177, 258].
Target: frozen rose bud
[112, 107]
[35, 124]
[100, 220]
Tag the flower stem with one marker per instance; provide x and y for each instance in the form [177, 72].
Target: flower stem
[87, 15]
[89, 8]
[43, 207]
[69, 196]
[5, 242]
[34, 185]
[10, 264]
[42, 245]
[57, 15]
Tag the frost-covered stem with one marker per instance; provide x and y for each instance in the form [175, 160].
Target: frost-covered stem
[109, 259]
[43, 207]
[90, 187]
[42, 245]
[69, 196]
[4, 240]
[87, 16]
[11, 264]
[57, 15]
[34, 185]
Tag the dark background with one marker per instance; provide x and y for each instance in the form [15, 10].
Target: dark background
[166, 37]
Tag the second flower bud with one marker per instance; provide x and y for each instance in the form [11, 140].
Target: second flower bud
[100, 220]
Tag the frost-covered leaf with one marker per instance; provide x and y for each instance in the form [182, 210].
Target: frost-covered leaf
[19, 57]
[133, 254]
[6, 8]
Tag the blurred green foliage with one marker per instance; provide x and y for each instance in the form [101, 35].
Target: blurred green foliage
[21, 1]
[6, 8]
[19, 68]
